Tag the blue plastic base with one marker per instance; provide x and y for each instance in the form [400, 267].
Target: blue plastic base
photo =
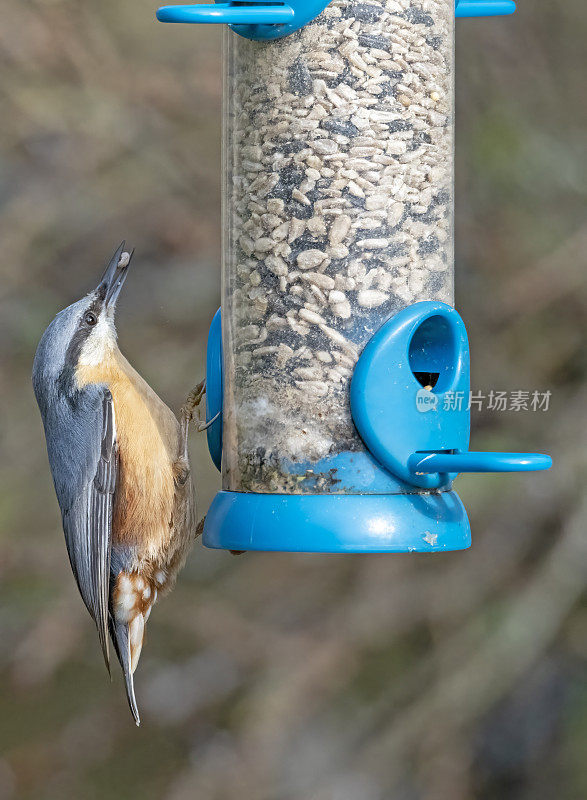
[392, 523]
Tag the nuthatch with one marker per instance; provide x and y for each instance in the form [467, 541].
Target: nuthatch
[120, 466]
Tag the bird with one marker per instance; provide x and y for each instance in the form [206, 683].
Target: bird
[120, 466]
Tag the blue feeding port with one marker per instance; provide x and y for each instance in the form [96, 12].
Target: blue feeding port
[416, 365]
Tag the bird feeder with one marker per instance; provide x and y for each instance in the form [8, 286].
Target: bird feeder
[337, 360]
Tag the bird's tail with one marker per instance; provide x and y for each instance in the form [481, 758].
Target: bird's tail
[128, 639]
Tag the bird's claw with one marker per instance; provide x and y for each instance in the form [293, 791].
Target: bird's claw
[203, 426]
[193, 400]
[192, 403]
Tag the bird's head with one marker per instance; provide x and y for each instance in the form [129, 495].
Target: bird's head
[84, 332]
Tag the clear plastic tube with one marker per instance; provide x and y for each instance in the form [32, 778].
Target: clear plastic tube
[338, 212]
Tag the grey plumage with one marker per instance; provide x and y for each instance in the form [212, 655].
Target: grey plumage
[80, 447]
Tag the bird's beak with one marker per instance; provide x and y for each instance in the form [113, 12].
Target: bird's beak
[114, 276]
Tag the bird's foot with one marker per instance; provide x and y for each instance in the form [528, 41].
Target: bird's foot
[193, 401]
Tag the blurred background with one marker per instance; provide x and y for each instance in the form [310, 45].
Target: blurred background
[293, 677]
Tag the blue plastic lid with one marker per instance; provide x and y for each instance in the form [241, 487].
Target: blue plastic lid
[273, 20]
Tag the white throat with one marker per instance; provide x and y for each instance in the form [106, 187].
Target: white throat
[100, 343]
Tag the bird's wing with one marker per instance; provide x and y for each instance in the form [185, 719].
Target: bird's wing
[100, 521]
[84, 463]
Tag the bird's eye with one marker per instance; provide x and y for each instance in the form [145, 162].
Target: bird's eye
[90, 318]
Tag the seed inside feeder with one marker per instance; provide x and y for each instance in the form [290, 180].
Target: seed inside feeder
[338, 213]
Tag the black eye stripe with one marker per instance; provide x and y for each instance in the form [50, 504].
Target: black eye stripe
[81, 333]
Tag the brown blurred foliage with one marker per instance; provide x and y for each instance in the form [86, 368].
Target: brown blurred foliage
[284, 677]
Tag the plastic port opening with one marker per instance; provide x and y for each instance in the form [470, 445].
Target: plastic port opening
[427, 379]
[432, 353]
